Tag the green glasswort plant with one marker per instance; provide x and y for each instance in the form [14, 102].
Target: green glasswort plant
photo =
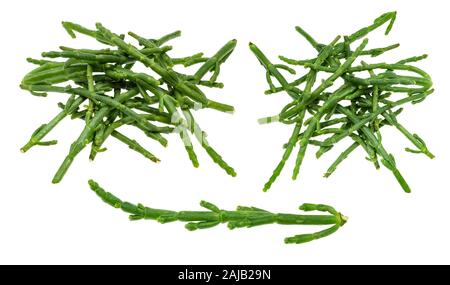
[346, 104]
[243, 217]
[115, 95]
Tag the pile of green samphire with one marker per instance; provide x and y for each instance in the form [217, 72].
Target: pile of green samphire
[352, 101]
[119, 96]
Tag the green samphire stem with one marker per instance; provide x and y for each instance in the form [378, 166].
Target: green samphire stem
[242, 217]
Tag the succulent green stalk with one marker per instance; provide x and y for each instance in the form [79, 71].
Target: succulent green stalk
[242, 217]
[201, 137]
[214, 62]
[44, 129]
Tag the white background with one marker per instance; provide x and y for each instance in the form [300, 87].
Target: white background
[67, 224]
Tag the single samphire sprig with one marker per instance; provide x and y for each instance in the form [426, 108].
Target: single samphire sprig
[353, 100]
[242, 217]
[107, 93]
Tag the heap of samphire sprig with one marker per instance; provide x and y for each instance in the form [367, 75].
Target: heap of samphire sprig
[106, 93]
[354, 100]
